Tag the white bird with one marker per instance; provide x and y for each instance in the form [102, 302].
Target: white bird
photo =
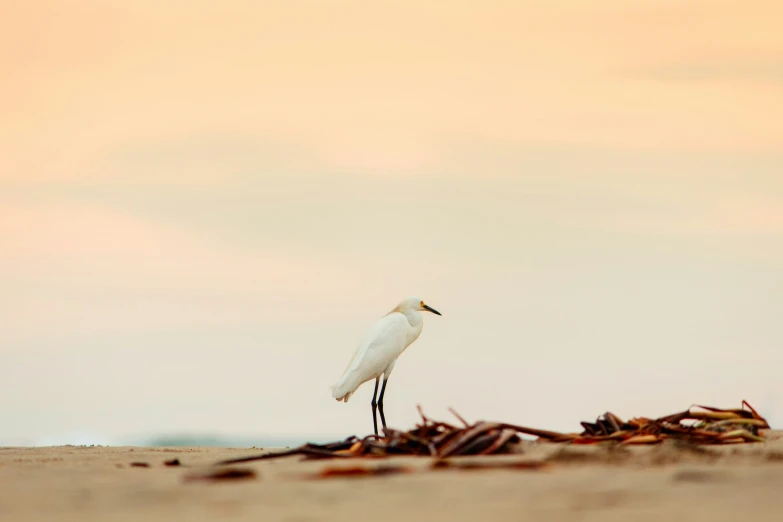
[379, 350]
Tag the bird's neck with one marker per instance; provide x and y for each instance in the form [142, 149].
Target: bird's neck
[414, 317]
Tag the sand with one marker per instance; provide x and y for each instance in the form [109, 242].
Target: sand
[740, 482]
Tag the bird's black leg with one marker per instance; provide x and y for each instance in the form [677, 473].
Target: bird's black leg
[374, 404]
[380, 402]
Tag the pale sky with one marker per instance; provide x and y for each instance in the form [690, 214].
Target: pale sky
[203, 206]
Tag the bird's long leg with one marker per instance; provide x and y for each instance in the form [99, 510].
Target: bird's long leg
[374, 405]
[380, 401]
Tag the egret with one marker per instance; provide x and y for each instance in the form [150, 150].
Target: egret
[378, 351]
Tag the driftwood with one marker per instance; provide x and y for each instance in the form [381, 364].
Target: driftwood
[698, 424]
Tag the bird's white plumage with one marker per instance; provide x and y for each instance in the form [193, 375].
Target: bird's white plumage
[382, 345]
[378, 350]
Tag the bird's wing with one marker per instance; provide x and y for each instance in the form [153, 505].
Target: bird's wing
[380, 347]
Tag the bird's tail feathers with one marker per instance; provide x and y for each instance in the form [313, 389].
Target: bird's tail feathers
[341, 391]
[345, 397]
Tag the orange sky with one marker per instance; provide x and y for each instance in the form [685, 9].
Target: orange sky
[378, 86]
[231, 192]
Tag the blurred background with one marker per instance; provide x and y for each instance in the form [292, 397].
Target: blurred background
[203, 207]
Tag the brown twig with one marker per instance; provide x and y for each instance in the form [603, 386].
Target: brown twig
[459, 417]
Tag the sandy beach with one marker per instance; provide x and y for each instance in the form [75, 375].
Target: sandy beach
[559, 483]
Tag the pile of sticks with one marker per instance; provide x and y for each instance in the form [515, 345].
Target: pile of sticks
[429, 438]
[698, 424]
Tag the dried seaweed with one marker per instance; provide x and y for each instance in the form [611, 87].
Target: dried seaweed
[224, 474]
[441, 440]
[698, 424]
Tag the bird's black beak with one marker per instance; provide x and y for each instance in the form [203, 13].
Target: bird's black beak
[426, 307]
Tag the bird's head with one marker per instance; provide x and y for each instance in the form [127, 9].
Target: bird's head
[415, 303]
